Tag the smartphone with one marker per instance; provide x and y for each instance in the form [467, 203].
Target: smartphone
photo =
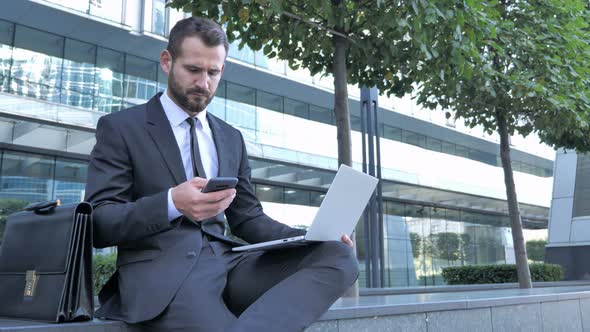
[219, 183]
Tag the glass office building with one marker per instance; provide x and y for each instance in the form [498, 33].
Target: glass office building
[65, 63]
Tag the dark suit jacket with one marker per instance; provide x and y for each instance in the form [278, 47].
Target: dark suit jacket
[135, 161]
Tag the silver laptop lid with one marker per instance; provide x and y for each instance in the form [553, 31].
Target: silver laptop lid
[342, 206]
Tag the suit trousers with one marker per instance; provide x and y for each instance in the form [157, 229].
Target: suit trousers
[276, 290]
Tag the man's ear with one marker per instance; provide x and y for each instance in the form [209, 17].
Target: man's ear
[166, 61]
[222, 68]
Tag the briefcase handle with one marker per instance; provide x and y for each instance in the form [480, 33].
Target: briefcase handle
[42, 207]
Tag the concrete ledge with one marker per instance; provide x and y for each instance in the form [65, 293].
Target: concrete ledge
[465, 288]
[7, 324]
[565, 308]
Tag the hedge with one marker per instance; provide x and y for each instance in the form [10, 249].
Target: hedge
[497, 274]
[104, 266]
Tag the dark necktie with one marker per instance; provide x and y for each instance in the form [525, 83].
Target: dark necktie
[198, 169]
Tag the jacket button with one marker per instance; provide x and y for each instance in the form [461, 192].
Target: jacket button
[191, 254]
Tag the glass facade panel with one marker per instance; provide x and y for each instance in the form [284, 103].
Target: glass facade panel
[297, 197]
[355, 123]
[392, 133]
[70, 180]
[433, 144]
[484, 157]
[414, 139]
[240, 107]
[316, 198]
[79, 74]
[218, 106]
[296, 108]
[420, 241]
[37, 64]
[159, 17]
[6, 40]
[448, 148]
[321, 114]
[581, 207]
[461, 151]
[110, 72]
[269, 101]
[140, 80]
[272, 194]
[26, 177]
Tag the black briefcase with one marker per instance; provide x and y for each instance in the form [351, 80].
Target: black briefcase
[46, 263]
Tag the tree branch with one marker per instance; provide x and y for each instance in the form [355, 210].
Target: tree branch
[316, 25]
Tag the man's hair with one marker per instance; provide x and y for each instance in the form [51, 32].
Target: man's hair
[208, 31]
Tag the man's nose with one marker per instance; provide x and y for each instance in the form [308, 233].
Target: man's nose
[202, 81]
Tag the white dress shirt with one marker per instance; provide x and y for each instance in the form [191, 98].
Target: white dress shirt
[181, 129]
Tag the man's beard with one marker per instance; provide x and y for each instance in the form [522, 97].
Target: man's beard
[181, 96]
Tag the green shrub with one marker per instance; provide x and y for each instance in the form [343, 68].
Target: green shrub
[497, 274]
[104, 265]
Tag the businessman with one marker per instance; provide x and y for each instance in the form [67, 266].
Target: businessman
[175, 267]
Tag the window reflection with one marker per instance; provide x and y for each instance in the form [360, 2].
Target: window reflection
[110, 68]
[27, 177]
[240, 107]
[420, 241]
[296, 108]
[269, 194]
[159, 17]
[78, 78]
[36, 64]
[70, 180]
[140, 81]
[6, 36]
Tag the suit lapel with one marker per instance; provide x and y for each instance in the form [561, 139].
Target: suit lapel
[224, 155]
[159, 129]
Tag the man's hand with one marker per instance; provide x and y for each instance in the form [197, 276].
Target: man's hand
[347, 240]
[191, 202]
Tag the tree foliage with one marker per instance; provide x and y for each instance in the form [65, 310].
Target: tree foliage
[448, 246]
[536, 250]
[514, 67]
[301, 32]
[529, 60]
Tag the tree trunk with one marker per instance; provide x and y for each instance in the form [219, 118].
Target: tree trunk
[522, 265]
[342, 115]
[341, 101]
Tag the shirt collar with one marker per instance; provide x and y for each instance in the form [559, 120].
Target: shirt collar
[175, 114]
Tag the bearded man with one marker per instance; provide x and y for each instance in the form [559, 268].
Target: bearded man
[175, 267]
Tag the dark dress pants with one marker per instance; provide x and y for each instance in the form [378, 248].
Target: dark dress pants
[278, 290]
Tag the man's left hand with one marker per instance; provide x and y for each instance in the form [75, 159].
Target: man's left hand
[347, 240]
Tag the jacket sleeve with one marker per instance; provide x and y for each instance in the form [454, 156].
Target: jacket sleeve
[245, 216]
[117, 217]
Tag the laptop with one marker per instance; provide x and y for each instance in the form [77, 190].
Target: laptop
[338, 214]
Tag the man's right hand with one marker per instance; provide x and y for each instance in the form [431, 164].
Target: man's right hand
[191, 202]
